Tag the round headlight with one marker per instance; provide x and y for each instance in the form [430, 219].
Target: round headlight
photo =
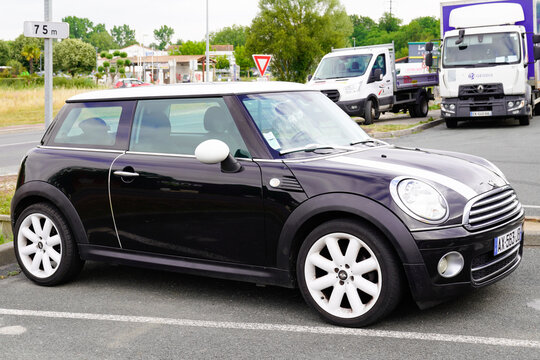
[452, 106]
[422, 200]
[510, 104]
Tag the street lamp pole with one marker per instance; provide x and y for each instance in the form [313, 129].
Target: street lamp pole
[207, 47]
[48, 68]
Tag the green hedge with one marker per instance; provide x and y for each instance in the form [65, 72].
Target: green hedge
[59, 82]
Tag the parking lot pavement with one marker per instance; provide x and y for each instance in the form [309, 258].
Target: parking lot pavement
[121, 312]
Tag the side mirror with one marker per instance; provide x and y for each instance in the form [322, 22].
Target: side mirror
[536, 52]
[429, 46]
[536, 38]
[309, 77]
[429, 59]
[461, 36]
[216, 151]
[376, 75]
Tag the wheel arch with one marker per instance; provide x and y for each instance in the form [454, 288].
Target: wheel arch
[39, 191]
[327, 207]
[374, 99]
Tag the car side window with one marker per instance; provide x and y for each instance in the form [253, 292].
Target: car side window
[178, 126]
[91, 125]
[380, 63]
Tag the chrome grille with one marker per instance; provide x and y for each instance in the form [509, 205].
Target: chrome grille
[492, 209]
[331, 94]
[487, 267]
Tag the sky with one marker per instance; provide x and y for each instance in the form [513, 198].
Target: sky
[186, 17]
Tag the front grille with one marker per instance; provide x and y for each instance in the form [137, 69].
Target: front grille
[481, 90]
[487, 267]
[331, 94]
[492, 209]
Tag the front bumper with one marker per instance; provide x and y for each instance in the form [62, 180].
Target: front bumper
[353, 107]
[481, 267]
[475, 108]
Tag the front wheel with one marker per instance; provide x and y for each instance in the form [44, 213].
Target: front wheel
[371, 112]
[44, 246]
[348, 273]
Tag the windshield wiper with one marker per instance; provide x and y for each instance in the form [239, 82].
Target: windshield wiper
[313, 147]
[369, 141]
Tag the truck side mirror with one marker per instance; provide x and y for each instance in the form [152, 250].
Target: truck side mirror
[536, 52]
[376, 75]
[309, 77]
[536, 38]
[429, 59]
[429, 46]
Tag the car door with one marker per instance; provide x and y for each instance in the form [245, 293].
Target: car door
[383, 88]
[167, 202]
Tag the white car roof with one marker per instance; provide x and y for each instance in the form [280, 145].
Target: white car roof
[192, 89]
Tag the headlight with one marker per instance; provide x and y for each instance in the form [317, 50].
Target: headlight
[419, 200]
[515, 105]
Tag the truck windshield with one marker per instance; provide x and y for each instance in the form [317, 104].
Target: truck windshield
[342, 67]
[482, 50]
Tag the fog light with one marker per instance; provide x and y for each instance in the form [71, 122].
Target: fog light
[510, 104]
[450, 264]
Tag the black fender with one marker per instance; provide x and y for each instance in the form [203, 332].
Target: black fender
[373, 212]
[39, 189]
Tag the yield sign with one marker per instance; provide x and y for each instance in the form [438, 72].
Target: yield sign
[262, 62]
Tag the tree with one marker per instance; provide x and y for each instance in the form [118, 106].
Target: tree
[190, 48]
[163, 35]
[222, 62]
[102, 41]
[243, 58]
[389, 23]
[5, 52]
[234, 35]
[123, 35]
[298, 33]
[31, 53]
[18, 45]
[79, 28]
[74, 56]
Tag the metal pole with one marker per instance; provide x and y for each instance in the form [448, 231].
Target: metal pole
[48, 69]
[207, 47]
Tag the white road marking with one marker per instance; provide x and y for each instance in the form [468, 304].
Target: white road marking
[12, 330]
[534, 304]
[21, 143]
[531, 206]
[324, 330]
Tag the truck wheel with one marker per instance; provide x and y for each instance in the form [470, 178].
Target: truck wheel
[370, 112]
[412, 111]
[44, 246]
[525, 120]
[422, 108]
[451, 123]
[349, 273]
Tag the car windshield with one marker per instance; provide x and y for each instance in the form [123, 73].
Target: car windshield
[296, 121]
[342, 66]
[482, 50]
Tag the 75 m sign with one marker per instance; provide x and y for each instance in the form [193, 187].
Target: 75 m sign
[46, 29]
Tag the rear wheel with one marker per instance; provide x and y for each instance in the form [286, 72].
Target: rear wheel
[44, 246]
[422, 108]
[348, 273]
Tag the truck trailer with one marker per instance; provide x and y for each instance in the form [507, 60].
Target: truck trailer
[487, 67]
[364, 82]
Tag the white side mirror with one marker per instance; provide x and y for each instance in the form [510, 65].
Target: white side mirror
[212, 151]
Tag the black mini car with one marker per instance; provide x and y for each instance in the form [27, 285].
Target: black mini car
[263, 182]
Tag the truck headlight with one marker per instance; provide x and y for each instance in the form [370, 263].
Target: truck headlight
[515, 105]
[450, 108]
[419, 200]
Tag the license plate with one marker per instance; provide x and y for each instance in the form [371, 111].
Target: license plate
[506, 241]
[480, 113]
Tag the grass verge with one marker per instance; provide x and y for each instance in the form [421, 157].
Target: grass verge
[373, 128]
[27, 106]
[7, 189]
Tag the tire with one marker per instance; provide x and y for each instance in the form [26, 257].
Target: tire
[451, 123]
[422, 108]
[412, 111]
[349, 292]
[525, 120]
[44, 246]
[370, 112]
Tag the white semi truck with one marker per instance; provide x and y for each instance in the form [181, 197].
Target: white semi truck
[364, 82]
[487, 66]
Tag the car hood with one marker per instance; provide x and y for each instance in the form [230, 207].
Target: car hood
[370, 172]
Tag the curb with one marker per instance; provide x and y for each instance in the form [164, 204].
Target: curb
[7, 254]
[397, 133]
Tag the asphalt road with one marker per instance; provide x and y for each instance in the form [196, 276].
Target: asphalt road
[117, 312]
[514, 149]
[13, 147]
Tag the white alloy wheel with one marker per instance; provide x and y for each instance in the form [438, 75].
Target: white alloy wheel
[343, 275]
[39, 245]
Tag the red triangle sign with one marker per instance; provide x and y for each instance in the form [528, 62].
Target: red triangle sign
[262, 62]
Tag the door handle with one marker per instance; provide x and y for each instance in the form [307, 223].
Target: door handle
[125, 173]
[387, 80]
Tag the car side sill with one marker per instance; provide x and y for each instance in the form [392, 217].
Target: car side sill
[229, 271]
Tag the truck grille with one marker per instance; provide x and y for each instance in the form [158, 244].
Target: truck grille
[487, 267]
[482, 90]
[492, 209]
[331, 94]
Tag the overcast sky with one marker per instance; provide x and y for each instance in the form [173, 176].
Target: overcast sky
[186, 17]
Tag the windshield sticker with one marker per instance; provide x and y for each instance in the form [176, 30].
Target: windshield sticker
[512, 58]
[271, 139]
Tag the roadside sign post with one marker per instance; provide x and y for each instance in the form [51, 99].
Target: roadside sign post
[47, 30]
[262, 61]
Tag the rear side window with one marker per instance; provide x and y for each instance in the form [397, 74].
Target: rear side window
[95, 125]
